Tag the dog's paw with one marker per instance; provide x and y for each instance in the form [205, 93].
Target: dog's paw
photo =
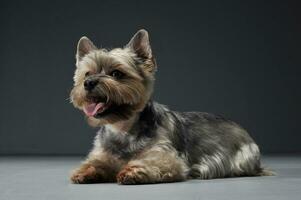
[132, 175]
[85, 174]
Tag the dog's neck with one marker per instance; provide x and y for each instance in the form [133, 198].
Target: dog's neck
[123, 126]
[133, 124]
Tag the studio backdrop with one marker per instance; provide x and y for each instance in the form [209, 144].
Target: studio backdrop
[235, 58]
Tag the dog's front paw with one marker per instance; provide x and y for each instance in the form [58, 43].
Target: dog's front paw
[132, 175]
[86, 174]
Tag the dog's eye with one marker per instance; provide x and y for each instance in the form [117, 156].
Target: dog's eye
[87, 74]
[116, 74]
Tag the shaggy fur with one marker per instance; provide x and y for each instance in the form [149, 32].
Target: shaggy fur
[141, 141]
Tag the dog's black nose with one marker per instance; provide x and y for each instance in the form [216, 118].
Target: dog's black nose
[90, 84]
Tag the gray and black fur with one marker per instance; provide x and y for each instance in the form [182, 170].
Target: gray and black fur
[204, 141]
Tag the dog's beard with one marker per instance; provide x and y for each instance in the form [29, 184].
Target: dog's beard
[110, 103]
[102, 109]
[95, 104]
[112, 114]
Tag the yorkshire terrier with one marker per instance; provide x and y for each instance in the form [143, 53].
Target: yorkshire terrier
[141, 141]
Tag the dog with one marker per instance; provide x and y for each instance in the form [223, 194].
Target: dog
[141, 141]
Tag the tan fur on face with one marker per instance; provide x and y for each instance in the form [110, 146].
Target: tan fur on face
[133, 91]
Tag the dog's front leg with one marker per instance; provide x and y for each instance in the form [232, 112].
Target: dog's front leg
[97, 168]
[154, 166]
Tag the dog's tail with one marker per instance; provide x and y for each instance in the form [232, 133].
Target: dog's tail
[265, 172]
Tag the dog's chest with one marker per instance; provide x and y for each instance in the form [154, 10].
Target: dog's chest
[122, 144]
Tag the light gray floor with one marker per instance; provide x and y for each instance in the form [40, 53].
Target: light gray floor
[39, 178]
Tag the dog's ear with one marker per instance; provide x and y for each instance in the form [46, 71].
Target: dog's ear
[84, 46]
[140, 44]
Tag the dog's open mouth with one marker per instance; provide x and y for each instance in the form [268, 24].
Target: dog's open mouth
[92, 109]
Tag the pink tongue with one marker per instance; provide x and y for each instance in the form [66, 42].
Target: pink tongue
[92, 108]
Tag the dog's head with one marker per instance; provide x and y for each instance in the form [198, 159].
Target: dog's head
[112, 85]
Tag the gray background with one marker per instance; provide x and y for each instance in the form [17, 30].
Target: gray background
[236, 58]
